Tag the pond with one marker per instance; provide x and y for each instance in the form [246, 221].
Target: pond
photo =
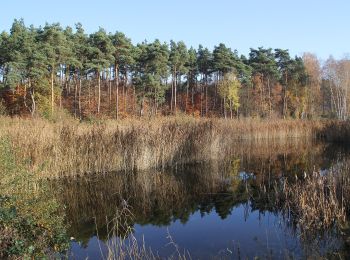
[212, 209]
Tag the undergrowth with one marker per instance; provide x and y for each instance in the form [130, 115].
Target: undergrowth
[30, 226]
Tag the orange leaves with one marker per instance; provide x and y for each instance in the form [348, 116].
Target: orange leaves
[13, 100]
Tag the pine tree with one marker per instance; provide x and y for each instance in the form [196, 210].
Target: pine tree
[177, 61]
[101, 57]
[192, 74]
[284, 64]
[123, 62]
[150, 70]
[265, 67]
[205, 67]
[56, 49]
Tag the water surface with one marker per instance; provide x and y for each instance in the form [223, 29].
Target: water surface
[212, 209]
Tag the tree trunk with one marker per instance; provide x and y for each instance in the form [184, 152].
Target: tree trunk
[99, 92]
[117, 103]
[201, 98]
[33, 102]
[66, 75]
[172, 93]
[52, 90]
[110, 93]
[187, 95]
[116, 78]
[75, 94]
[224, 107]
[285, 96]
[79, 96]
[175, 94]
[206, 95]
[270, 103]
[109, 88]
[25, 96]
[155, 102]
[125, 89]
[141, 106]
[134, 102]
[175, 102]
[192, 99]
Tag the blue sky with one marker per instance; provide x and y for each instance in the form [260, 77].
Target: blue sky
[320, 27]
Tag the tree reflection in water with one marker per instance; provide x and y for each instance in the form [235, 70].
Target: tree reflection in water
[161, 197]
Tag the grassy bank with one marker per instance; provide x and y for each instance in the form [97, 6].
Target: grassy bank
[69, 147]
[31, 221]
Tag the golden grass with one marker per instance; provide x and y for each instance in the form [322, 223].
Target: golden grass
[69, 148]
[319, 202]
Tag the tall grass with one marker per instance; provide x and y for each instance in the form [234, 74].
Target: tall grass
[30, 223]
[126, 245]
[317, 203]
[322, 199]
[70, 148]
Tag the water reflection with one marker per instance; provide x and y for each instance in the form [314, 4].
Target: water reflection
[211, 208]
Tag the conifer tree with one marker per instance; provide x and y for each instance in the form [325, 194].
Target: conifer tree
[123, 62]
[265, 67]
[205, 67]
[192, 74]
[101, 57]
[56, 49]
[177, 61]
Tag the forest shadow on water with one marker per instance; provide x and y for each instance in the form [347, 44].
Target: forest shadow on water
[227, 208]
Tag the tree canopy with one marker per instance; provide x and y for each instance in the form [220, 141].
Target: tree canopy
[104, 73]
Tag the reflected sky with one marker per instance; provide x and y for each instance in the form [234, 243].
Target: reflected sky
[210, 209]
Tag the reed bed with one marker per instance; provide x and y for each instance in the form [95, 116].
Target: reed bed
[317, 203]
[321, 200]
[71, 148]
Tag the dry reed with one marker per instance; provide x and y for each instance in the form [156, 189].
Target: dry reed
[316, 202]
[70, 148]
[126, 246]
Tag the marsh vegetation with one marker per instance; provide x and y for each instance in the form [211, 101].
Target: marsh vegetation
[177, 178]
[129, 147]
[156, 134]
[71, 148]
[285, 200]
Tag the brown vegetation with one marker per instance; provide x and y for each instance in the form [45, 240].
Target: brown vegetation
[69, 148]
[311, 203]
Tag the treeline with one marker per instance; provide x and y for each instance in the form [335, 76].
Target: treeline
[104, 74]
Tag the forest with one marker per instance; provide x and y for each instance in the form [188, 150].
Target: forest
[105, 75]
[139, 133]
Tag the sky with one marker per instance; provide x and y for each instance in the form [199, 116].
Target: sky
[317, 26]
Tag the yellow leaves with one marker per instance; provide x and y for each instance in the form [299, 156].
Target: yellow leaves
[234, 174]
[229, 90]
[297, 101]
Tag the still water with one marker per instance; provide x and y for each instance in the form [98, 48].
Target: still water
[212, 209]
